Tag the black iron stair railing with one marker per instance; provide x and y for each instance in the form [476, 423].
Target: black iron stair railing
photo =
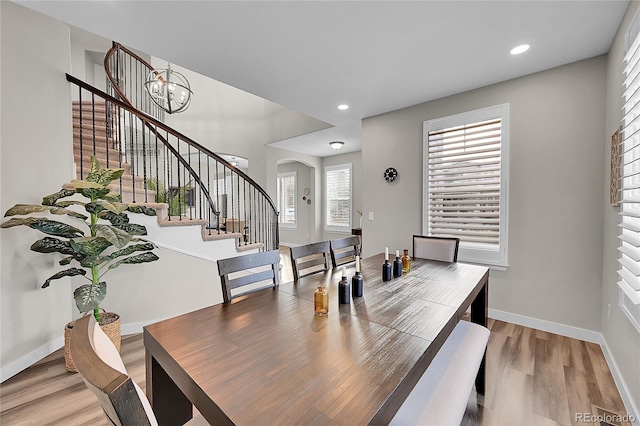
[163, 165]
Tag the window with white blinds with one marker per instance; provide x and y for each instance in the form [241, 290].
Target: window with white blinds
[286, 199]
[338, 198]
[629, 271]
[465, 182]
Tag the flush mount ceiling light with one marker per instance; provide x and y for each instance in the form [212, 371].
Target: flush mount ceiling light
[233, 162]
[342, 107]
[169, 89]
[520, 49]
[336, 145]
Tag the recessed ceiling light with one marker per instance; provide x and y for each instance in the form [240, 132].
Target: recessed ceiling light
[520, 49]
[343, 107]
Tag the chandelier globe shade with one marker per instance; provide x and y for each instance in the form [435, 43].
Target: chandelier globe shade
[169, 89]
[336, 144]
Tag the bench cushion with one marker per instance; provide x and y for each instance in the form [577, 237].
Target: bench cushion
[440, 396]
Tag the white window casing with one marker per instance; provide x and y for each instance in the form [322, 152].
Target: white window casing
[629, 272]
[287, 199]
[338, 198]
[466, 170]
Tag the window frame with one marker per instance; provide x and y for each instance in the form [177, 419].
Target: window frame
[331, 228]
[283, 175]
[472, 252]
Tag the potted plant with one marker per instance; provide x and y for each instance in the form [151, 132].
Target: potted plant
[111, 241]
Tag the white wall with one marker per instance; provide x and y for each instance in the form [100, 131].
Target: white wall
[228, 120]
[621, 338]
[35, 140]
[557, 165]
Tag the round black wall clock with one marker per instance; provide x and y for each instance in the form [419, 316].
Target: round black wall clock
[390, 174]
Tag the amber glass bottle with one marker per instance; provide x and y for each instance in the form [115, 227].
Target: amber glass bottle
[321, 301]
[406, 262]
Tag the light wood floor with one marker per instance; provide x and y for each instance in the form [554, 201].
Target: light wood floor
[533, 378]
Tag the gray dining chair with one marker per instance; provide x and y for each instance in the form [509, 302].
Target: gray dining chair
[344, 250]
[309, 259]
[253, 271]
[103, 371]
[444, 249]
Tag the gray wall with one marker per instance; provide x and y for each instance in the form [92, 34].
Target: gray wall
[355, 158]
[619, 335]
[35, 135]
[305, 212]
[556, 167]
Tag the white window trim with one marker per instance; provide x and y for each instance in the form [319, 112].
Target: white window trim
[338, 229]
[295, 200]
[467, 252]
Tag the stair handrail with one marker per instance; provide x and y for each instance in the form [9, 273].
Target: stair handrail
[149, 120]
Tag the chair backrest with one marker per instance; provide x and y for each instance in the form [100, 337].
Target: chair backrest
[309, 259]
[344, 250]
[104, 373]
[249, 270]
[436, 248]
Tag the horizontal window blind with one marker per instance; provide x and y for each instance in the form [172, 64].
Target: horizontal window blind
[338, 197]
[464, 181]
[287, 198]
[629, 260]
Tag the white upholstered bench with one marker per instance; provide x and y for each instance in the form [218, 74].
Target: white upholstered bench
[440, 396]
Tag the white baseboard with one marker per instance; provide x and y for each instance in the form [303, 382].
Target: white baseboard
[29, 359]
[581, 334]
[551, 327]
[632, 410]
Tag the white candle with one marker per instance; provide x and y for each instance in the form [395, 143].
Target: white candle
[357, 263]
[386, 253]
[344, 271]
[397, 253]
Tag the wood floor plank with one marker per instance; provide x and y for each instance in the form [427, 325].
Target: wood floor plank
[582, 391]
[550, 393]
[516, 399]
[522, 350]
[497, 351]
[611, 398]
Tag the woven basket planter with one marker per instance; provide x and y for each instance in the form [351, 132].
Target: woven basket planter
[111, 329]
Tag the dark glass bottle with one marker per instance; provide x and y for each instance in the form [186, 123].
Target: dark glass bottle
[357, 281]
[386, 266]
[397, 266]
[406, 262]
[344, 292]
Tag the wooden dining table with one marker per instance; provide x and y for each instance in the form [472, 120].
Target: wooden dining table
[266, 359]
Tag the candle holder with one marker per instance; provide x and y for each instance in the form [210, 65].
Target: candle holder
[357, 281]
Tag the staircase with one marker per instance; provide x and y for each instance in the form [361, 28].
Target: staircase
[187, 184]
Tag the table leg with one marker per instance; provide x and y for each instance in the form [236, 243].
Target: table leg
[170, 405]
[479, 311]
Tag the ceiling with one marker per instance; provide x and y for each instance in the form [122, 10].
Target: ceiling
[376, 56]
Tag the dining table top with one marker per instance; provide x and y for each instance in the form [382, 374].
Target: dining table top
[265, 358]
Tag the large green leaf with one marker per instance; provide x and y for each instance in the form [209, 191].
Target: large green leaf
[94, 193]
[139, 258]
[115, 236]
[91, 261]
[50, 227]
[103, 176]
[70, 203]
[131, 249]
[142, 209]
[133, 228]
[90, 246]
[116, 208]
[52, 245]
[25, 209]
[67, 260]
[51, 199]
[115, 219]
[89, 296]
[113, 197]
[66, 273]
[86, 184]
